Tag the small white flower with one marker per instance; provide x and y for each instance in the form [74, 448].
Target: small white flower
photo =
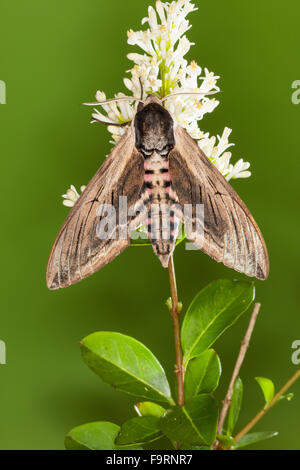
[239, 170]
[72, 196]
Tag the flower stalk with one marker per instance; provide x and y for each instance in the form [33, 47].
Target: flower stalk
[175, 310]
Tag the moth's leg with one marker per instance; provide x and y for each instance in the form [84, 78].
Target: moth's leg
[141, 105]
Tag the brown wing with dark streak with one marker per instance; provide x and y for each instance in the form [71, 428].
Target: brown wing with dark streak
[78, 252]
[229, 233]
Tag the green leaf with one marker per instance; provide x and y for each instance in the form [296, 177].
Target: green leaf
[214, 309]
[226, 441]
[235, 407]
[267, 388]
[202, 374]
[194, 424]
[127, 365]
[252, 438]
[182, 233]
[147, 408]
[138, 431]
[100, 435]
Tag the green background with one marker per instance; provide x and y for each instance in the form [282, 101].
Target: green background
[55, 55]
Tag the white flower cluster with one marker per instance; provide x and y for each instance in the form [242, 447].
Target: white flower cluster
[162, 69]
[221, 158]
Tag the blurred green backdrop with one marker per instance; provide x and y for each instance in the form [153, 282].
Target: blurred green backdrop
[54, 55]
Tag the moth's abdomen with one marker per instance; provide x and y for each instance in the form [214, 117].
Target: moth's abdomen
[163, 215]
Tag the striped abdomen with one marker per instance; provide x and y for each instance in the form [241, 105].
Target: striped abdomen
[162, 218]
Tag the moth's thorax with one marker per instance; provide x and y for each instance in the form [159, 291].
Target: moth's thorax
[154, 130]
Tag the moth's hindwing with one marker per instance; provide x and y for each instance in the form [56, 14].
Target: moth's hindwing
[78, 251]
[229, 235]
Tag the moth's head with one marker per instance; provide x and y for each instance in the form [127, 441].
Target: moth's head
[153, 126]
[148, 100]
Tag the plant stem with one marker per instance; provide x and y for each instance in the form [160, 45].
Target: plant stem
[175, 313]
[162, 73]
[236, 370]
[262, 412]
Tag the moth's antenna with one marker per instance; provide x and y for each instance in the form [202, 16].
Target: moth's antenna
[142, 88]
[121, 98]
[189, 93]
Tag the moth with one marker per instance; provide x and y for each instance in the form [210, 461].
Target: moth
[157, 166]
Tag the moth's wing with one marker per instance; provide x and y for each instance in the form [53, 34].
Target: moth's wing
[229, 233]
[78, 251]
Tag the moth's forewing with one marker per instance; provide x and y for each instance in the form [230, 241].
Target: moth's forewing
[230, 235]
[78, 251]
[156, 163]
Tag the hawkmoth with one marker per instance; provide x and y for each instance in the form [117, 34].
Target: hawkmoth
[157, 164]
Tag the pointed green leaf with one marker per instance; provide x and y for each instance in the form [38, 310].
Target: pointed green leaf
[182, 234]
[214, 309]
[194, 424]
[235, 407]
[127, 365]
[202, 374]
[253, 437]
[139, 430]
[148, 408]
[100, 435]
[267, 388]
